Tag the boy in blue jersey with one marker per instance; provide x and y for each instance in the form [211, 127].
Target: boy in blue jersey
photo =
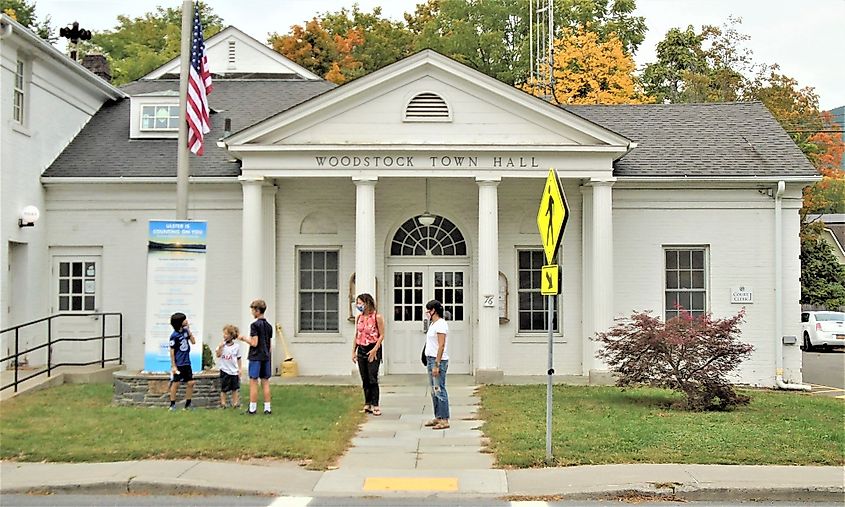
[180, 359]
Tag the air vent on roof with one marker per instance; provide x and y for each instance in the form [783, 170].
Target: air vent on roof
[231, 54]
[427, 106]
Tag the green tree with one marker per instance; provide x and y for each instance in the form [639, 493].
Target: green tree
[711, 65]
[822, 277]
[23, 12]
[137, 46]
[492, 36]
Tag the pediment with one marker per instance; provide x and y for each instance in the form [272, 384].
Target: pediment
[231, 51]
[372, 111]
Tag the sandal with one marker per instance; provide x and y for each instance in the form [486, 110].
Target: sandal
[442, 425]
[366, 410]
[376, 411]
[433, 422]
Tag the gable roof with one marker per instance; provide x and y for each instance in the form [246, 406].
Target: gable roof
[103, 148]
[282, 64]
[429, 60]
[720, 139]
[713, 140]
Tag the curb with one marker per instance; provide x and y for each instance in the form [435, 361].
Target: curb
[176, 487]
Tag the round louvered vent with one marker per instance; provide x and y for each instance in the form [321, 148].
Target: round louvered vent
[427, 106]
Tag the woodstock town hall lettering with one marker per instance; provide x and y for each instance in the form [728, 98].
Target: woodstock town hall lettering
[429, 161]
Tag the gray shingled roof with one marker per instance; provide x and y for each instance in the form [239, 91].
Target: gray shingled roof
[103, 147]
[696, 140]
[699, 140]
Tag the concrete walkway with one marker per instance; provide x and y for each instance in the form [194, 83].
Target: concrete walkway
[395, 451]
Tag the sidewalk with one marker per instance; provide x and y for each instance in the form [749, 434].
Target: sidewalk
[395, 455]
[692, 482]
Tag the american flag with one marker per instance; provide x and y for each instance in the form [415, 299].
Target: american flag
[199, 86]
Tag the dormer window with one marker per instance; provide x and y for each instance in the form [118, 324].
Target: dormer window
[160, 117]
[427, 106]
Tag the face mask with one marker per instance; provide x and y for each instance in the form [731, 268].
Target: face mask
[360, 308]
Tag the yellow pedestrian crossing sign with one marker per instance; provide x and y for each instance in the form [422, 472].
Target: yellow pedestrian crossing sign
[552, 216]
[550, 283]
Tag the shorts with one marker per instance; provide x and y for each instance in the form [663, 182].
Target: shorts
[259, 369]
[186, 374]
[229, 382]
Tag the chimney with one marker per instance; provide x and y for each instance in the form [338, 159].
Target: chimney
[98, 64]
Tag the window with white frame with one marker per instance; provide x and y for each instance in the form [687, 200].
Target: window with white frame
[533, 309]
[160, 117]
[686, 281]
[319, 291]
[19, 93]
[77, 286]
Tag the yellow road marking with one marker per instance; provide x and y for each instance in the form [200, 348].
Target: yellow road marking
[827, 391]
[411, 484]
[827, 387]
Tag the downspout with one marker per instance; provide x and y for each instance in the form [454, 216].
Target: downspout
[779, 294]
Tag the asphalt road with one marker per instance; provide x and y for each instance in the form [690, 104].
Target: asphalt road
[224, 501]
[825, 368]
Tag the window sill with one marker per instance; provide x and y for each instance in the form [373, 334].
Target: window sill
[318, 338]
[537, 338]
[20, 129]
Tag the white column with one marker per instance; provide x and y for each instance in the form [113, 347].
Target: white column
[601, 265]
[488, 366]
[252, 234]
[365, 235]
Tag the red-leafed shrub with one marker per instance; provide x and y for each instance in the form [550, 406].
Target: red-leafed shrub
[692, 355]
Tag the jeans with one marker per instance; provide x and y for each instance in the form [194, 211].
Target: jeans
[439, 396]
[369, 373]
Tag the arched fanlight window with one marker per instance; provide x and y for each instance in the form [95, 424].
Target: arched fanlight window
[440, 238]
[427, 106]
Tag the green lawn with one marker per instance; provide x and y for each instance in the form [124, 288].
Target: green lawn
[77, 423]
[601, 425]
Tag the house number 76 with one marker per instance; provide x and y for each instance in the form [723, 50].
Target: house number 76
[487, 300]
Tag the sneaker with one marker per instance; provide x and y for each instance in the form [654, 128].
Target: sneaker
[173, 408]
[250, 412]
[268, 412]
[190, 408]
[236, 406]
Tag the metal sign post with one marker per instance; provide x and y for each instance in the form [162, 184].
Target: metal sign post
[551, 221]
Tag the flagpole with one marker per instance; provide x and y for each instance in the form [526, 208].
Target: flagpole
[183, 168]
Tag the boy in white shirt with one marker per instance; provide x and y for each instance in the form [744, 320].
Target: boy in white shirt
[229, 353]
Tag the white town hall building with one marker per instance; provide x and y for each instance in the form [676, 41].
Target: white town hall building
[314, 193]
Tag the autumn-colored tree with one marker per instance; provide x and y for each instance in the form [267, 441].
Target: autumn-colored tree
[588, 71]
[346, 44]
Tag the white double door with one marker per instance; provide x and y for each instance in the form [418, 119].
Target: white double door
[411, 287]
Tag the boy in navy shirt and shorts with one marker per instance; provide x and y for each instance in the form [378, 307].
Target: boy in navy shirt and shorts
[180, 359]
[260, 334]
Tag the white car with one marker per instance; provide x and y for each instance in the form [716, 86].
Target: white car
[823, 329]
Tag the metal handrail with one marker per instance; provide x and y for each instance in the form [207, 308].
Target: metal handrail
[50, 342]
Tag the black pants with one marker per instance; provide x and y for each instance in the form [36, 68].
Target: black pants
[369, 373]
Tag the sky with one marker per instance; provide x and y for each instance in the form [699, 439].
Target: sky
[804, 37]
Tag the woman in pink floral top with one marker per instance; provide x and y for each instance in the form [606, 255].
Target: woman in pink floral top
[366, 349]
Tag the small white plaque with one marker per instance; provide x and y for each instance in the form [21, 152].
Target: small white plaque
[742, 295]
[488, 300]
[90, 286]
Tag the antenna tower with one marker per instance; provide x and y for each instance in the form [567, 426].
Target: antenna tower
[541, 36]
